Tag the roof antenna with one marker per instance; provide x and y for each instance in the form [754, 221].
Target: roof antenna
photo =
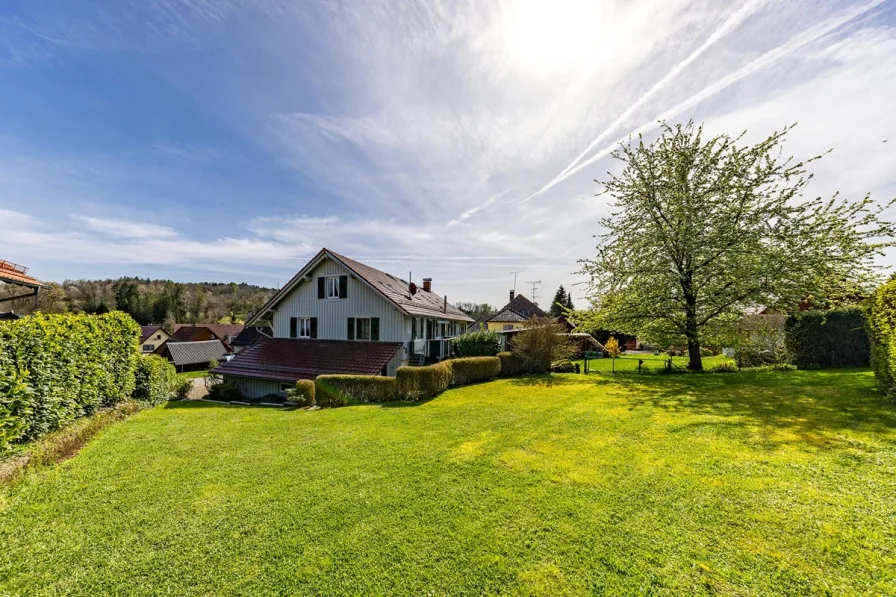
[534, 288]
[514, 280]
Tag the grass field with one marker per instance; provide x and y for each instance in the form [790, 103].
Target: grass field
[628, 363]
[726, 484]
[192, 374]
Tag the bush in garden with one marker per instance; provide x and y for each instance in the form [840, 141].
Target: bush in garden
[612, 347]
[182, 388]
[835, 338]
[340, 390]
[224, 390]
[482, 343]
[154, 380]
[474, 369]
[302, 394]
[511, 364]
[544, 342]
[57, 368]
[881, 327]
[420, 383]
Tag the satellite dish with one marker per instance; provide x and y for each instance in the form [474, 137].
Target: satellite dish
[412, 288]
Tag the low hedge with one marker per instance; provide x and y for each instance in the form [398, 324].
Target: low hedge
[474, 369]
[420, 383]
[154, 380]
[303, 394]
[481, 343]
[511, 364]
[57, 368]
[340, 390]
[835, 338]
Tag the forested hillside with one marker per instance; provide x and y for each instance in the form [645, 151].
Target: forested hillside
[148, 301]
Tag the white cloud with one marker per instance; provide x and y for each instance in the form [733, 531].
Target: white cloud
[125, 228]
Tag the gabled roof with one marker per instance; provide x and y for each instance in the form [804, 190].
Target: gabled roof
[148, 330]
[224, 330]
[508, 315]
[251, 335]
[392, 288]
[191, 333]
[289, 359]
[192, 353]
[13, 273]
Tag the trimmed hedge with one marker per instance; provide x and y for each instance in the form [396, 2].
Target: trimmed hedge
[420, 383]
[155, 379]
[481, 343]
[303, 393]
[511, 364]
[340, 390]
[835, 338]
[474, 369]
[881, 327]
[57, 368]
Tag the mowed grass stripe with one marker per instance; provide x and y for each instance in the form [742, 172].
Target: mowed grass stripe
[740, 484]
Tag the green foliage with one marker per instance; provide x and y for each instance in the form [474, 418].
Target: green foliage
[224, 390]
[182, 387]
[474, 369]
[717, 227]
[612, 346]
[57, 368]
[341, 390]
[475, 310]
[542, 343]
[481, 343]
[511, 364]
[723, 368]
[835, 338]
[881, 327]
[303, 393]
[420, 383]
[155, 380]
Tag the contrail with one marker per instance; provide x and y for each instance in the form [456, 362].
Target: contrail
[803, 39]
[735, 19]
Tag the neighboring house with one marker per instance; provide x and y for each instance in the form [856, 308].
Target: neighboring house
[152, 337]
[479, 324]
[250, 336]
[337, 315]
[193, 355]
[515, 314]
[17, 275]
[225, 331]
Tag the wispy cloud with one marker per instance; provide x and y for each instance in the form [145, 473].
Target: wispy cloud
[125, 228]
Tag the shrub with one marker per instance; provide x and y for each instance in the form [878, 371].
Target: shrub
[881, 327]
[545, 341]
[56, 368]
[182, 388]
[302, 394]
[612, 347]
[835, 338]
[340, 390]
[511, 364]
[779, 367]
[474, 369]
[154, 380]
[723, 368]
[563, 367]
[420, 383]
[482, 343]
[225, 390]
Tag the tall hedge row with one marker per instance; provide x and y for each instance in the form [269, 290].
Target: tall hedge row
[835, 338]
[882, 332]
[155, 378]
[56, 368]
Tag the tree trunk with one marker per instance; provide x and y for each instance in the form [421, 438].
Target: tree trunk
[692, 332]
[695, 361]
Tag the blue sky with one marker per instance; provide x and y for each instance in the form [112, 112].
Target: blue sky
[231, 139]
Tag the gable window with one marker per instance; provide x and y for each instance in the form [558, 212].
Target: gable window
[303, 327]
[149, 347]
[332, 287]
[364, 328]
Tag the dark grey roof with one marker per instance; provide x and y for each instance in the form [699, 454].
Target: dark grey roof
[252, 335]
[193, 353]
[509, 315]
[522, 306]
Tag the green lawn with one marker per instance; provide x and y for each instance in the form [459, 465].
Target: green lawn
[725, 484]
[629, 363]
[192, 374]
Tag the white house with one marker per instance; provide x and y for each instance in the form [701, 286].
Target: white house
[337, 315]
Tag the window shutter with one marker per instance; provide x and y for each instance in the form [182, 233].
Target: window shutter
[321, 281]
[375, 329]
[351, 328]
[293, 327]
[314, 327]
[343, 286]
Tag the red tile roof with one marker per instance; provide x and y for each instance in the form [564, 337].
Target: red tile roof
[287, 359]
[223, 330]
[148, 330]
[192, 333]
[13, 273]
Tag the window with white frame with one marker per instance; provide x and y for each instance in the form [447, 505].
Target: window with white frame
[332, 287]
[304, 327]
[149, 347]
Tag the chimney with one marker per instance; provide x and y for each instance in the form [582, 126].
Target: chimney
[427, 284]
[512, 294]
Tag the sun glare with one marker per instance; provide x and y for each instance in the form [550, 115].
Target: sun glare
[545, 36]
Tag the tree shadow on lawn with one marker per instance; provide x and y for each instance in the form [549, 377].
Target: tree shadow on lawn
[815, 407]
[192, 404]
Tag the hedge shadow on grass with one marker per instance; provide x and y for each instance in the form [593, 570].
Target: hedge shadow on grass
[813, 409]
